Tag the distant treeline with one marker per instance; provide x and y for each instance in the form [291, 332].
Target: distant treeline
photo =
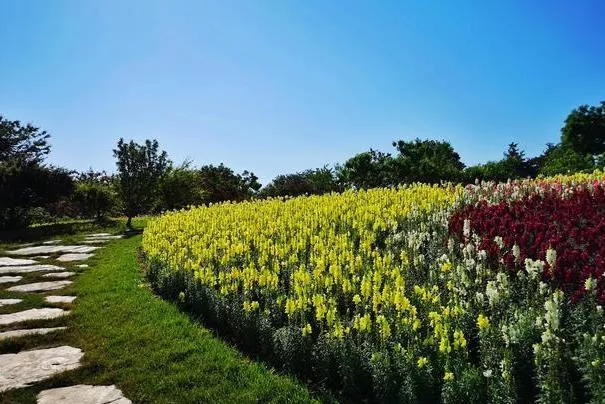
[146, 180]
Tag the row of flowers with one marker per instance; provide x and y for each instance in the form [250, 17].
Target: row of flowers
[419, 293]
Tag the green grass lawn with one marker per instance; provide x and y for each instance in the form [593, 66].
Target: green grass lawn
[146, 346]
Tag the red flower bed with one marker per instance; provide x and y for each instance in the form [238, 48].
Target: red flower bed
[574, 226]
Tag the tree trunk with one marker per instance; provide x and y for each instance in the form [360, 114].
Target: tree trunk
[129, 223]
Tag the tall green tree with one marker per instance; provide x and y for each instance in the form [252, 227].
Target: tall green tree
[369, 169]
[94, 194]
[25, 181]
[309, 182]
[584, 130]
[140, 170]
[179, 188]
[220, 183]
[428, 161]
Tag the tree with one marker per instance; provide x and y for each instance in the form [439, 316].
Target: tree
[369, 169]
[309, 182]
[563, 159]
[179, 188]
[94, 194]
[25, 182]
[428, 161]
[220, 183]
[25, 143]
[584, 130]
[140, 170]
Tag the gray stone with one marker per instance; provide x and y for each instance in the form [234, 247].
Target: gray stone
[51, 242]
[83, 394]
[5, 261]
[39, 286]
[22, 269]
[98, 235]
[104, 238]
[10, 279]
[29, 331]
[32, 314]
[41, 257]
[53, 249]
[7, 302]
[94, 241]
[59, 275]
[59, 299]
[82, 266]
[27, 367]
[74, 257]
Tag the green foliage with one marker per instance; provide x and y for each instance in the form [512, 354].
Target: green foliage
[22, 142]
[220, 183]
[562, 159]
[369, 169]
[95, 195]
[140, 170]
[427, 161]
[513, 166]
[179, 188]
[584, 130]
[309, 182]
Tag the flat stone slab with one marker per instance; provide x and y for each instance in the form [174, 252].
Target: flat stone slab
[59, 299]
[32, 314]
[59, 274]
[27, 367]
[108, 237]
[8, 302]
[29, 331]
[52, 249]
[10, 279]
[94, 241]
[22, 269]
[83, 394]
[41, 257]
[98, 235]
[74, 257]
[39, 286]
[82, 266]
[4, 261]
[51, 242]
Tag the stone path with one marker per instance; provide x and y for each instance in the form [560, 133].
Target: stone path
[25, 368]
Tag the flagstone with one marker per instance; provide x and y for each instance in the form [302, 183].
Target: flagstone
[27, 367]
[66, 274]
[30, 268]
[60, 299]
[28, 331]
[8, 302]
[6, 261]
[10, 279]
[39, 286]
[74, 257]
[52, 249]
[32, 314]
[83, 394]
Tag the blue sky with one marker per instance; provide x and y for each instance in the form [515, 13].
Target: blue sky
[280, 86]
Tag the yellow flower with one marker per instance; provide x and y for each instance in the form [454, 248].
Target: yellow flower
[449, 376]
[307, 330]
[482, 322]
[422, 361]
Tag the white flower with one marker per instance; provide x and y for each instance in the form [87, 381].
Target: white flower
[516, 252]
[533, 268]
[487, 373]
[491, 291]
[499, 242]
[466, 229]
[590, 284]
[551, 257]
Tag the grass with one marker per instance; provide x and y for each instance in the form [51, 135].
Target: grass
[144, 345]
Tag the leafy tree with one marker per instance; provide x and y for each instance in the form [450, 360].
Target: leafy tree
[95, 194]
[26, 143]
[584, 130]
[428, 161]
[369, 169]
[309, 182]
[563, 159]
[140, 170]
[220, 183]
[25, 183]
[179, 188]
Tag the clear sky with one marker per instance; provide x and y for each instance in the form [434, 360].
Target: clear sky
[280, 86]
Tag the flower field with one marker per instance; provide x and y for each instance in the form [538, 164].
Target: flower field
[414, 294]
